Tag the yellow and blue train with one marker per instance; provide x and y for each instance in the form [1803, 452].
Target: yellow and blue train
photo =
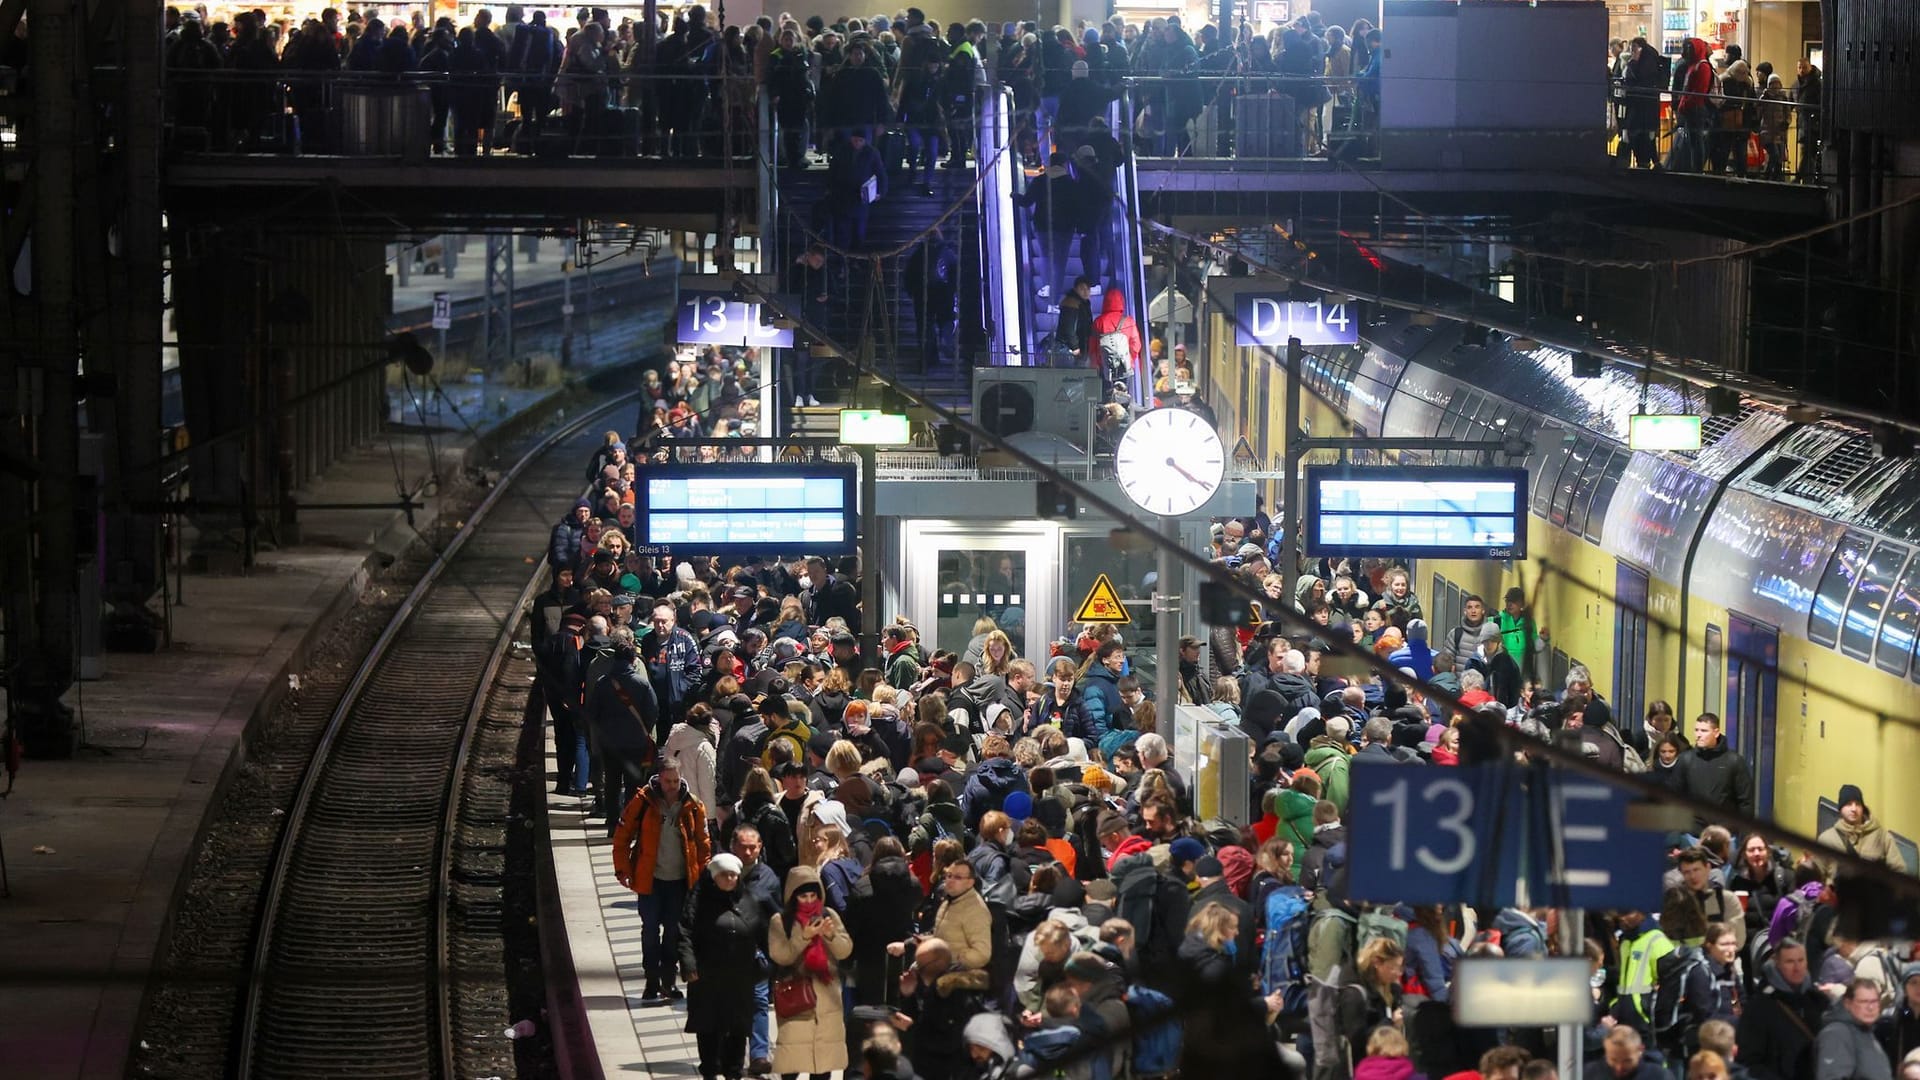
[1772, 577]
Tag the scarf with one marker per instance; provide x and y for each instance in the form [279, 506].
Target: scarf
[814, 960]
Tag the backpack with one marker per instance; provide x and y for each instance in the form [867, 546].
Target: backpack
[1380, 923]
[1670, 1013]
[1156, 1032]
[1117, 740]
[1630, 758]
[1283, 946]
[794, 735]
[1116, 353]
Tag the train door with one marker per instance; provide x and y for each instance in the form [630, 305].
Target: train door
[1629, 644]
[1753, 675]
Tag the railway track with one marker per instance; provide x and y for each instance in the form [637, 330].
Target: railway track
[363, 960]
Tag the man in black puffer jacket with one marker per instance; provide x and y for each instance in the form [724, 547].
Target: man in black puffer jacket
[1714, 772]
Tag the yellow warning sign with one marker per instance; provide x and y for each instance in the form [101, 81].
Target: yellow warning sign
[1102, 604]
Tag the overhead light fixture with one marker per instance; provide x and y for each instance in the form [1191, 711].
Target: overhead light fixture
[871, 427]
[1805, 414]
[1663, 432]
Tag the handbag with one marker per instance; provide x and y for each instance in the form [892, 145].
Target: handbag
[793, 996]
[1756, 152]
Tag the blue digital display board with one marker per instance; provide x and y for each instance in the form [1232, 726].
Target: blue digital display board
[708, 318]
[1416, 512]
[727, 509]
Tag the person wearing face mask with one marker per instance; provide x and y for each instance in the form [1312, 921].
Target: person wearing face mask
[720, 932]
[807, 940]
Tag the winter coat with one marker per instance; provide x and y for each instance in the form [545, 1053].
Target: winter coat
[817, 1041]
[636, 843]
[964, 923]
[1899, 1033]
[1329, 758]
[1101, 702]
[988, 787]
[1295, 811]
[673, 666]
[940, 1014]
[691, 751]
[1867, 840]
[615, 724]
[834, 596]
[1778, 1026]
[1764, 890]
[720, 935]
[1843, 1050]
[1113, 317]
[779, 849]
[1072, 716]
[879, 913]
[1384, 1068]
[563, 547]
[1431, 960]
[1718, 775]
[1029, 984]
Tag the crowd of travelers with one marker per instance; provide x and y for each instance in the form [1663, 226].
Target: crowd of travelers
[1725, 116]
[963, 862]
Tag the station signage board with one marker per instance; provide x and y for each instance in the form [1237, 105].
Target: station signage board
[715, 318]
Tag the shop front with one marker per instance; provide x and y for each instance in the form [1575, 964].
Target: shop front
[1719, 23]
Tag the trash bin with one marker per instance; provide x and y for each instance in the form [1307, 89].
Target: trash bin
[385, 119]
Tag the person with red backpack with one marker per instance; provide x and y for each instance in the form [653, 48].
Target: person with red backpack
[1115, 344]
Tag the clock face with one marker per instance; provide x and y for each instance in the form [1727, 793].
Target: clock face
[1170, 462]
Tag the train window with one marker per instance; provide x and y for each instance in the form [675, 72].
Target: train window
[1895, 647]
[1597, 463]
[1569, 484]
[1550, 455]
[1716, 668]
[1609, 479]
[1460, 416]
[1870, 599]
[1830, 599]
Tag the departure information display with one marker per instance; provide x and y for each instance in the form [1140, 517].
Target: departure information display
[1416, 512]
[736, 508]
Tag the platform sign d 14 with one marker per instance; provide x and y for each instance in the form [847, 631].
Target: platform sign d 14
[1269, 319]
[708, 318]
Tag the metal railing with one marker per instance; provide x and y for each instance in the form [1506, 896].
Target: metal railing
[420, 114]
[1773, 139]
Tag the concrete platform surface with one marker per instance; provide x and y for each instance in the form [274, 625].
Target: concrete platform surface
[95, 845]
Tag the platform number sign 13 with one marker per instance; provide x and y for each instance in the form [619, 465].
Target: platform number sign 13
[1423, 835]
[709, 318]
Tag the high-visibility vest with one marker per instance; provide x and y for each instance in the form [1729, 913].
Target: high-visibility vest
[1637, 970]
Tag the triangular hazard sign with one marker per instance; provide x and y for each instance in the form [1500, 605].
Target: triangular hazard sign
[1102, 604]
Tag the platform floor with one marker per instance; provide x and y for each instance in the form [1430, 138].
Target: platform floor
[95, 845]
[603, 933]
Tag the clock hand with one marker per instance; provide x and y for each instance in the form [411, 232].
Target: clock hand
[1175, 466]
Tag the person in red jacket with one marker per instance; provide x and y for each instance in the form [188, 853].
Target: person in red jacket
[1114, 346]
[1693, 92]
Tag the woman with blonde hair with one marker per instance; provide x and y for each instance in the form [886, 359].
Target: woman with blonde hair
[997, 653]
[1369, 994]
[1387, 1056]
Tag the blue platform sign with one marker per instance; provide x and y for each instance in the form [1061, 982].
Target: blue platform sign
[1478, 834]
[1270, 319]
[710, 318]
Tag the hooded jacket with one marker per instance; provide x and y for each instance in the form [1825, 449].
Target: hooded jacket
[988, 786]
[1328, 757]
[1846, 1051]
[1778, 1026]
[691, 750]
[1113, 317]
[563, 547]
[815, 1042]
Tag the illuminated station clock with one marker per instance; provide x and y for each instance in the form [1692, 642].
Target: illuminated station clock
[1170, 462]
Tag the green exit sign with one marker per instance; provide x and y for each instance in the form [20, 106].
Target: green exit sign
[1663, 432]
[871, 427]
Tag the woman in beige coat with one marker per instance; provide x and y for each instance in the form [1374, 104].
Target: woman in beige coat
[808, 939]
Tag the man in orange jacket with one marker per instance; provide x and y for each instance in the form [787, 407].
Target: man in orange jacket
[1115, 345]
[660, 847]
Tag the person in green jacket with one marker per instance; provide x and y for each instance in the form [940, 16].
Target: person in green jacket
[1517, 630]
[1327, 756]
[1293, 805]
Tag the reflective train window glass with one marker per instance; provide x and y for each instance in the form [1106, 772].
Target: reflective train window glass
[1569, 482]
[1830, 599]
[1870, 599]
[1553, 455]
[1603, 495]
[1895, 647]
[1589, 479]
